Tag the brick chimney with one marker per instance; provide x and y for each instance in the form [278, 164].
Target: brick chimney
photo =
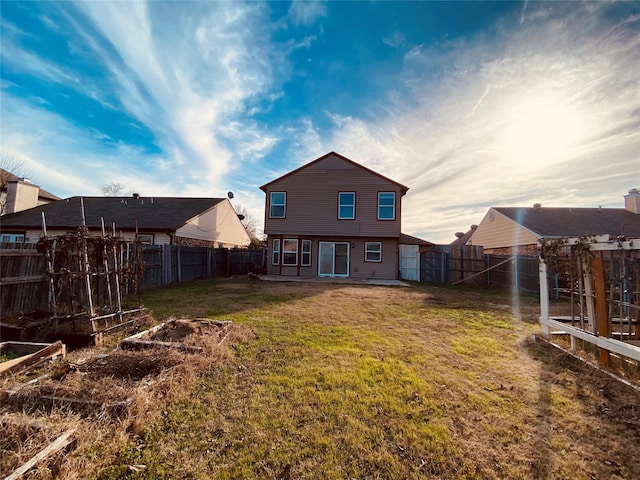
[632, 201]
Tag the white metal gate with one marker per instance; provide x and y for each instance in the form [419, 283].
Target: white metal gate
[409, 263]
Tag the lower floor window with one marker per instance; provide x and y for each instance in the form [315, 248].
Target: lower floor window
[145, 238]
[373, 251]
[289, 252]
[275, 259]
[12, 237]
[306, 253]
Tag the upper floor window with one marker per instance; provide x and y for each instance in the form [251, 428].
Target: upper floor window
[346, 205]
[277, 204]
[386, 205]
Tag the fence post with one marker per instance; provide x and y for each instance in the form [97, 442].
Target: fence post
[602, 318]
[166, 264]
[544, 298]
[443, 268]
[487, 264]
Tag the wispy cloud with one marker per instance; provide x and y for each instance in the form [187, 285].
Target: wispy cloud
[540, 107]
[397, 39]
[545, 113]
[306, 13]
[188, 78]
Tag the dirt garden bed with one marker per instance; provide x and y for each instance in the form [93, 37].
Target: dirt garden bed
[107, 388]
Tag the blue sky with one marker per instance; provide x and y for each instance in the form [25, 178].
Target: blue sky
[469, 104]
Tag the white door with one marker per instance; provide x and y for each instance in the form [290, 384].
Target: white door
[333, 259]
[409, 263]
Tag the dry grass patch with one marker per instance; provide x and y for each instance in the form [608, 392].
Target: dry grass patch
[334, 381]
[107, 396]
[377, 382]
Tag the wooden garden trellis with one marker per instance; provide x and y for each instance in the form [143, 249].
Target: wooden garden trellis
[89, 277]
[604, 290]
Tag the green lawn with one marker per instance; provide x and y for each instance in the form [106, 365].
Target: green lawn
[334, 381]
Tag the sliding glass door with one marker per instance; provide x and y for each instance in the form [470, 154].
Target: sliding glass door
[333, 259]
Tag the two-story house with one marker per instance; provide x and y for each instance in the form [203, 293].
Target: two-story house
[333, 218]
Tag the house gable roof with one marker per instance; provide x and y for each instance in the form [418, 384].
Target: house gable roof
[403, 188]
[569, 222]
[149, 213]
[42, 193]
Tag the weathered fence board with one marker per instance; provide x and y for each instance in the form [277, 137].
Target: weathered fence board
[25, 283]
[469, 265]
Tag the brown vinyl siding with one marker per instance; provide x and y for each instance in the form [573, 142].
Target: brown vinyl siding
[312, 201]
[358, 267]
[312, 214]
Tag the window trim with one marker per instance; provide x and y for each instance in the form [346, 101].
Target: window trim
[13, 237]
[353, 205]
[275, 252]
[283, 205]
[387, 206]
[146, 238]
[304, 253]
[284, 252]
[367, 251]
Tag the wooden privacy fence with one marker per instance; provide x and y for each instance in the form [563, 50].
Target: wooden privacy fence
[24, 284]
[24, 281]
[468, 264]
[165, 264]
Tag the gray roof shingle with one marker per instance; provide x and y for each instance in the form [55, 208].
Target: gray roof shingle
[573, 222]
[150, 213]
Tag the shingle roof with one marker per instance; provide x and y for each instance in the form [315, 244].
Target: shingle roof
[342, 157]
[410, 240]
[570, 222]
[150, 213]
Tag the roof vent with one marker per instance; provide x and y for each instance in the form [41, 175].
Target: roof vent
[136, 195]
[459, 234]
[473, 227]
[537, 205]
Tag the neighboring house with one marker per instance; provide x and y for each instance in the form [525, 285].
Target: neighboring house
[17, 194]
[509, 230]
[211, 222]
[333, 218]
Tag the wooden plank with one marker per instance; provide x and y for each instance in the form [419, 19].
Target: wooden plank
[34, 360]
[19, 253]
[142, 344]
[20, 280]
[58, 444]
[625, 349]
[602, 317]
[24, 348]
